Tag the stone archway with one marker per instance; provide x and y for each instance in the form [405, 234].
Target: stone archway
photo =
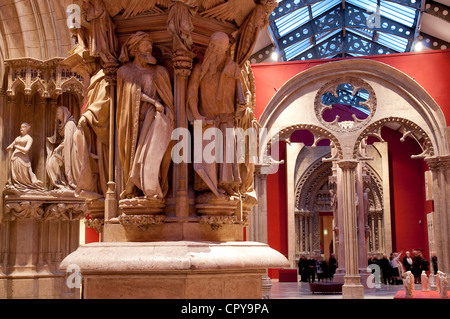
[388, 89]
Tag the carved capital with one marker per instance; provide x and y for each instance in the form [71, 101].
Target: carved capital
[182, 62]
[110, 70]
[348, 164]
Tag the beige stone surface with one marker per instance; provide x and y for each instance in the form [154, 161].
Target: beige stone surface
[179, 269]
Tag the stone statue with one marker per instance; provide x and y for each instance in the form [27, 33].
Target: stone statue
[102, 41]
[442, 284]
[61, 165]
[214, 94]
[257, 20]
[246, 121]
[92, 137]
[179, 23]
[424, 281]
[366, 208]
[145, 119]
[408, 282]
[334, 207]
[21, 177]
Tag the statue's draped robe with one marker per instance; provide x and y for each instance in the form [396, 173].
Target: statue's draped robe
[21, 174]
[217, 97]
[144, 135]
[62, 167]
[92, 141]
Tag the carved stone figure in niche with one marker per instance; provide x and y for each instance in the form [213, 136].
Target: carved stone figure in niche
[179, 23]
[145, 119]
[21, 177]
[334, 207]
[214, 94]
[245, 119]
[61, 164]
[102, 41]
[91, 137]
[366, 208]
[257, 20]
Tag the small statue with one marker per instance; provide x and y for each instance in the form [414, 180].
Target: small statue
[442, 284]
[408, 282]
[424, 280]
[61, 164]
[102, 37]
[21, 176]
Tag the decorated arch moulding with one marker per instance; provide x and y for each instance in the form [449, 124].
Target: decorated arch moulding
[407, 127]
[328, 76]
[332, 87]
[319, 133]
[313, 178]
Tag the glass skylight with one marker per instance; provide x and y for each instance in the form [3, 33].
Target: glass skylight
[299, 25]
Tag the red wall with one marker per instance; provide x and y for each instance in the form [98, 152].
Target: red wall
[90, 235]
[432, 71]
[407, 193]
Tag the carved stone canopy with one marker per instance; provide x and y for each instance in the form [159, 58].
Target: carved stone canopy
[49, 78]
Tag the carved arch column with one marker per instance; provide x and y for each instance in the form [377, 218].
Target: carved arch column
[440, 171]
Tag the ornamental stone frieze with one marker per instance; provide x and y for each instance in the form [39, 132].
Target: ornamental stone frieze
[49, 78]
[43, 208]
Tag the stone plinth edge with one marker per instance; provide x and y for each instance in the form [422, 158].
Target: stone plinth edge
[173, 256]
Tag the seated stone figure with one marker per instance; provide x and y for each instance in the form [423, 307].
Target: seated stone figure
[60, 165]
[21, 177]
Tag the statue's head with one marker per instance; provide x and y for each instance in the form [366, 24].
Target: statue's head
[25, 128]
[219, 43]
[138, 46]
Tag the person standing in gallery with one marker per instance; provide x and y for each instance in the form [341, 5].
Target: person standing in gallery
[385, 269]
[332, 266]
[408, 262]
[303, 268]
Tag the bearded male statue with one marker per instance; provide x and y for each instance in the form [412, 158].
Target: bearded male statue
[144, 121]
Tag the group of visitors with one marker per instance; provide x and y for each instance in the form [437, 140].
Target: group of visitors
[309, 267]
[392, 269]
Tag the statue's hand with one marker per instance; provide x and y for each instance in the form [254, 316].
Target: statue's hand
[159, 107]
[82, 121]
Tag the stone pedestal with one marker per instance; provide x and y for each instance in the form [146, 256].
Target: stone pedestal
[174, 270]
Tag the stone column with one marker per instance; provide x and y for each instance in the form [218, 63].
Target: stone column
[111, 195]
[440, 172]
[182, 62]
[352, 288]
[258, 222]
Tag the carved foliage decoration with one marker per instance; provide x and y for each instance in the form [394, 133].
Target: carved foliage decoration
[39, 210]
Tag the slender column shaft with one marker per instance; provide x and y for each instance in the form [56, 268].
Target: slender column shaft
[352, 287]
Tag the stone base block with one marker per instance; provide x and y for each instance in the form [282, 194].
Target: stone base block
[174, 270]
[36, 287]
[173, 232]
[352, 288]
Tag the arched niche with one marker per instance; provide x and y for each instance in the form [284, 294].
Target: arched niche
[297, 104]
